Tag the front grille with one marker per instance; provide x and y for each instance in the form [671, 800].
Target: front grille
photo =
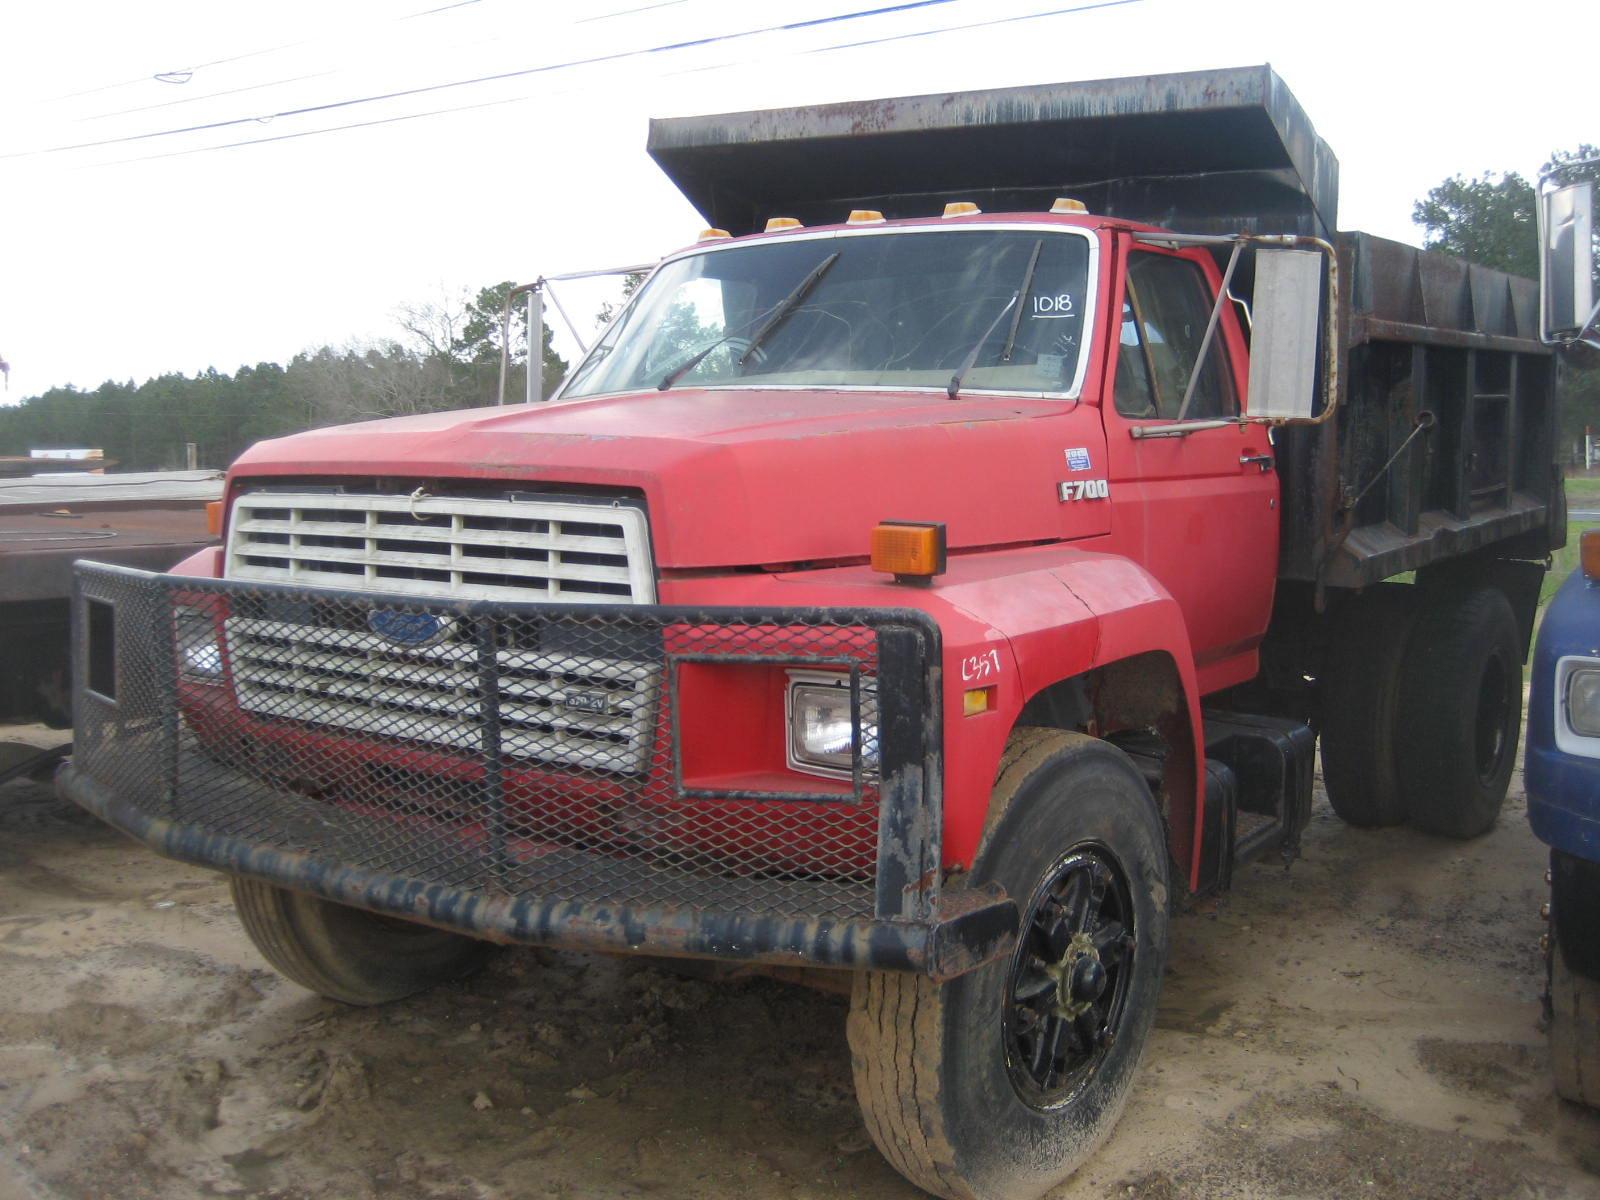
[480, 548]
[564, 710]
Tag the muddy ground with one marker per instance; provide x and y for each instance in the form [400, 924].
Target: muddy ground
[1363, 1025]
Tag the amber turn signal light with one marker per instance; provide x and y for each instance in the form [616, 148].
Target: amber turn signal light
[1589, 552]
[911, 551]
[214, 517]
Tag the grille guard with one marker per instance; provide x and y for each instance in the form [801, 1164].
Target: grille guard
[842, 874]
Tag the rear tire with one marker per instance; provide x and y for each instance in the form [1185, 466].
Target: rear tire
[1460, 712]
[1575, 978]
[348, 954]
[983, 1086]
[1361, 707]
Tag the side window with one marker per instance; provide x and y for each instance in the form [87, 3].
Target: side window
[1164, 322]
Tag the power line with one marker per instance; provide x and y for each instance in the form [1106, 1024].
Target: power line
[254, 87]
[257, 87]
[188, 72]
[878, 41]
[436, 112]
[623, 12]
[904, 6]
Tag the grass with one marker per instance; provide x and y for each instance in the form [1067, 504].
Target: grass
[1583, 491]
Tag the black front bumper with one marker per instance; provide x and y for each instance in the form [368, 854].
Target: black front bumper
[971, 928]
[484, 844]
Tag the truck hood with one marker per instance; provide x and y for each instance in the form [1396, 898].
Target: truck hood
[743, 477]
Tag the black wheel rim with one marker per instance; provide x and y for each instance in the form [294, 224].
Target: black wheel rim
[1492, 734]
[1068, 984]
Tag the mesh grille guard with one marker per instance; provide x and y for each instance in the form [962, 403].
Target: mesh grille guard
[527, 772]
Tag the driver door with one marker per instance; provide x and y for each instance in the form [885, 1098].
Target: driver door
[1197, 507]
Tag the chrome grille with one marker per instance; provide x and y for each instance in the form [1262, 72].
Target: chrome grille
[563, 710]
[444, 546]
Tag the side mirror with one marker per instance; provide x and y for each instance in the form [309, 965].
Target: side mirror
[1284, 319]
[1566, 291]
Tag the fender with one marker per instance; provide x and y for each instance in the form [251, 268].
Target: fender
[1071, 613]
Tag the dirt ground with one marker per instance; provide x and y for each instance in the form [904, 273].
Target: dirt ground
[1363, 1025]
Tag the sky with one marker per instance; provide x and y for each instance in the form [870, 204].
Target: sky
[131, 250]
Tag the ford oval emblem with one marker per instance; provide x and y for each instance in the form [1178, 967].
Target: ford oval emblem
[408, 628]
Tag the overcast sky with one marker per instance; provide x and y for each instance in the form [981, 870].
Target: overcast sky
[172, 253]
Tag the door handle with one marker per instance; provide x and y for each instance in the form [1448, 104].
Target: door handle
[1264, 461]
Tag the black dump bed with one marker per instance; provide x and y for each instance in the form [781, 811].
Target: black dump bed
[1210, 152]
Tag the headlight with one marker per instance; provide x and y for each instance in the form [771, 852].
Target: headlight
[1583, 702]
[199, 655]
[822, 731]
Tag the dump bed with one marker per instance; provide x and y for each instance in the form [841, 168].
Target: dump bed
[1211, 152]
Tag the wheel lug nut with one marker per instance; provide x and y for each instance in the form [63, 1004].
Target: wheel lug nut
[1544, 943]
[1548, 878]
[1544, 912]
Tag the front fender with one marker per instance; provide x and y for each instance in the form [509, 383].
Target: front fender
[1068, 613]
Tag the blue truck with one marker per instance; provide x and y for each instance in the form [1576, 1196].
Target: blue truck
[1562, 773]
[1562, 756]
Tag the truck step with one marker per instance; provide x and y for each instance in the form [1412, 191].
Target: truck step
[1273, 759]
[1258, 789]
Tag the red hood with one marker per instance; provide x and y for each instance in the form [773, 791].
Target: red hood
[740, 478]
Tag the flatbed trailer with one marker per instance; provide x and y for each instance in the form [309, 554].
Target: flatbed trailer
[147, 520]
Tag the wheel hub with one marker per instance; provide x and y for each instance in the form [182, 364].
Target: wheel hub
[1069, 977]
[1079, 977]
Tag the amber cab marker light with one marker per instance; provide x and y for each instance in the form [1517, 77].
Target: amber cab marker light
[912, 551]
[864, 216]
[1589, 552]
[774, 224]
[214, 517]
[713, 235]
[1065, 204]
[961, 208]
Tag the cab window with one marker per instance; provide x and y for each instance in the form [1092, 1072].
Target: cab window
[1164, 314]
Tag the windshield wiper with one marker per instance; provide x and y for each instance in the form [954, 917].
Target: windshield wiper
[1022, 302]
[788, 304]
[771, 316]
[1015, 302]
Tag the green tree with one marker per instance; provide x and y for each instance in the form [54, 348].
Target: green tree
[478, 342]
[446, 356]
[1491, 220]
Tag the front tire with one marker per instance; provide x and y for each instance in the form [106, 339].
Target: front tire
[1000, 1083]
[348, 954]
[1461, 703]
[1574, 1031]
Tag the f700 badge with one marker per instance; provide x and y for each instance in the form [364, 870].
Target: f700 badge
[1085, 489]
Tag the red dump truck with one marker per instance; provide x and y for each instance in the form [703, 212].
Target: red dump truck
[940, 572]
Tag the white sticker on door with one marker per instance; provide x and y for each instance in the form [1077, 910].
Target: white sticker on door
[1078, 458]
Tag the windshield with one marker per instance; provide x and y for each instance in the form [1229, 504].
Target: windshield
[901, 309]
